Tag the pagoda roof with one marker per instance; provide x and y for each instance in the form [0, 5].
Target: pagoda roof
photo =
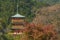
[17, 15]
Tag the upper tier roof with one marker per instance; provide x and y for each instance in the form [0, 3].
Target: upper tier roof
[17, 15]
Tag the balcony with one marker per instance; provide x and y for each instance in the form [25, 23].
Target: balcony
[19, 21]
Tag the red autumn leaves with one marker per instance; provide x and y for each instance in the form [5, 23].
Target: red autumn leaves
[37, 32]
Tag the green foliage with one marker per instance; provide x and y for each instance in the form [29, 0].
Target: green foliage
[8, 8]
[50, 2]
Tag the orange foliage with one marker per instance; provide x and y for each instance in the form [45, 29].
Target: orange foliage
[37, 32]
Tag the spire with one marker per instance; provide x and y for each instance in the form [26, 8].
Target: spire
[17, 8]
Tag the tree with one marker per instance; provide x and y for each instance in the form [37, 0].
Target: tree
[46, 32]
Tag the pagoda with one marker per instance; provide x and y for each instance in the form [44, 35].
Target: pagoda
[17, 22]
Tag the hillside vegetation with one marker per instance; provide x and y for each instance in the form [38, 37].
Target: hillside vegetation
[38, 13]
[48, 15]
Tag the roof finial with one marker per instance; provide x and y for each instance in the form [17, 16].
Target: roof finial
[17, 8]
